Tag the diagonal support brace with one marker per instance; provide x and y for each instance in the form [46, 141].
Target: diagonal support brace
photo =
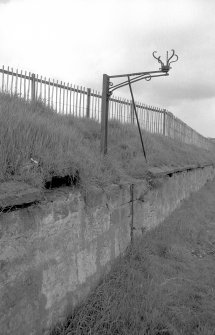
[135, 110]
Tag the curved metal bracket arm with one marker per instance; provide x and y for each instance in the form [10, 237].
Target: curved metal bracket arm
[146, 76]
[124, 83]
[133, 74]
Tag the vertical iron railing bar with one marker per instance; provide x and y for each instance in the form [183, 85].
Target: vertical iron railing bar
[150, 120]
[41, 83]
[56, 96]
[93, 104]
[73, 100]
[25, 85]
[83, 102]
[156, 121]
[143, 116]
[16, 84]
[44, 92]
[110, 109]
[36, 85]
[120, 110]
[124, 110]
[20, 85]
[49, 93]
[98, 110]
[96, 105]
[3, 78]
[80, 96]
[74, 97]
[52, 95]
[60, 107]
[139, 113]
[11, 86]
[8, 69]
[144, 113]
[67, 94]
[118, 107]
[70, 99]
[76, 111]
[63, 97]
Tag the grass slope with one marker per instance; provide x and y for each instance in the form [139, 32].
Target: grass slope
[65, 145]
[165, 285]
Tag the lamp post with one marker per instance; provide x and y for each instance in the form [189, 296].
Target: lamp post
[108, 88]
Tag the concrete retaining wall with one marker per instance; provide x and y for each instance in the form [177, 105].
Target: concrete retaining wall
[53, 254]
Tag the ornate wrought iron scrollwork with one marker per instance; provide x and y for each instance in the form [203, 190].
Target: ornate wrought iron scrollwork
[166, 67]
[148, 78]
[134, 77]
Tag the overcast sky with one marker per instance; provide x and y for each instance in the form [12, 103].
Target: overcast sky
[78, 40]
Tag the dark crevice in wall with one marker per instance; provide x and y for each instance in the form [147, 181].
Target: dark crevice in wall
[170, 174]
[16, 207]
[55, 182]
[58, 181]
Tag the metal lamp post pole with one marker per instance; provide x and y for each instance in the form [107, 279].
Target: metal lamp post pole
[104, 115]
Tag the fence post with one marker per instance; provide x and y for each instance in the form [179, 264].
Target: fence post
[33, 96]
[88, 102]
[104, 115]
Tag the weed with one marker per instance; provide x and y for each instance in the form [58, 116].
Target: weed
[37, 144]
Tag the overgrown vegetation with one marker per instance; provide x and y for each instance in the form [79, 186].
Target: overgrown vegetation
[64, 145]
[164, 285]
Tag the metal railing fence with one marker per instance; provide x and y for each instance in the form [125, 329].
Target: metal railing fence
[80, 101]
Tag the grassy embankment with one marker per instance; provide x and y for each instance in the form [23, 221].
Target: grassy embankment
[165, 285]
[65, 145]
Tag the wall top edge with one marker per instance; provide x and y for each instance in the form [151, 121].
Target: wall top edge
[166, 170]
[17, 194]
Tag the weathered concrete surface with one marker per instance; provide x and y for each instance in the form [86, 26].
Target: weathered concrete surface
[53, 254]
[153, 207]
[15, 193]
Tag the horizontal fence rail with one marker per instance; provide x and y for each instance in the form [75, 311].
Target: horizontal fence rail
[79, 101]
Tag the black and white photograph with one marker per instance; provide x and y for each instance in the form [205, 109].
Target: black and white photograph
[107, 167]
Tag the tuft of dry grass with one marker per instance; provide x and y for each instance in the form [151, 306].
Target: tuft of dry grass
[165, 284]
[37, 143]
